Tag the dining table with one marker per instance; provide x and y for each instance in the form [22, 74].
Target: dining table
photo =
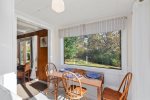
[84, 80]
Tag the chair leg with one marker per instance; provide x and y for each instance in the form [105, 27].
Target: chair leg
[23, 80]
[48, 86]
[85, 97]
[28, 77]
[55, 91]
[66, 97]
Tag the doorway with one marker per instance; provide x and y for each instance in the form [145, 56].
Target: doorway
[31, 48]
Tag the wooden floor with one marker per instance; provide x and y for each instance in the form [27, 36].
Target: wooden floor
[34, 90]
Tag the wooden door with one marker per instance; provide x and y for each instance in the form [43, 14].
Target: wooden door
[42, 57]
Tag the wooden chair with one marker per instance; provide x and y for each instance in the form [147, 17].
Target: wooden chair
[25, 73]
[50, 68]
[121, 93]
[73, 86]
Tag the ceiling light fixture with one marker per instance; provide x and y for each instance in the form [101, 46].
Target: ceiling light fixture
[58, 6]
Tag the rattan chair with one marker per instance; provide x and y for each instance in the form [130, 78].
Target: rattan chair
[73, 86]
[121, 93]
[25, 73]
[50, 68]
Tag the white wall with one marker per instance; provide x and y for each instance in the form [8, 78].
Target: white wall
[112, 77]
[54, 50]
[129, 52]
[141, 50]
[7, 45]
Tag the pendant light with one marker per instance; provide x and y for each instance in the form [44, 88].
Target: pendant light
[58, 6]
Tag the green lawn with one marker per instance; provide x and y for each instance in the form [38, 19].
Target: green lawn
[88, 64]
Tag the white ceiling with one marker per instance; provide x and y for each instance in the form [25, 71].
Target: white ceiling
[76, 11]
[26, 27]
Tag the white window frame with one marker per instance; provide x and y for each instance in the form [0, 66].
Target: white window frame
[124, 50]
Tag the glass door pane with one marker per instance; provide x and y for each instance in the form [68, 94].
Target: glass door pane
[22, 50]
[28, 51]
[25, 51]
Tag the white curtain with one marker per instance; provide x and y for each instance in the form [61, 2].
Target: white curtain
[34, 57]
[141, 51]
[109, 25]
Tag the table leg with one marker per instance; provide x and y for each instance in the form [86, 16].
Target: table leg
[99, 93]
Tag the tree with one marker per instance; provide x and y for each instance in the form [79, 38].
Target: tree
[104, 48]
[70, 47]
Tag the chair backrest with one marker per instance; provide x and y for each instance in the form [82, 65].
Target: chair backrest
[72, 85]
[27, 67]
[50, 68]
[124, 87]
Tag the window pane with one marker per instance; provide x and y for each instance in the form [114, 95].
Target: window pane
[102, 50]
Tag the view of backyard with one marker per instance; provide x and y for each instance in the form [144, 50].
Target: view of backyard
[101, 50]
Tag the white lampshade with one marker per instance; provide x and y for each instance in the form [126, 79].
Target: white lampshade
[58, 6]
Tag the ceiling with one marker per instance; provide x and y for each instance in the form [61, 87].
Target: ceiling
[76, 11]
[26, 27]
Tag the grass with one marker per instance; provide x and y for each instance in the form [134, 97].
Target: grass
[88, 64]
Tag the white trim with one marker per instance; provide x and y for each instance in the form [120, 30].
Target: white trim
[14, 42]
[33, 20]
[62, 51]
[49, 46]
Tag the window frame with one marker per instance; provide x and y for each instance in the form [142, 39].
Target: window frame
[124, 53]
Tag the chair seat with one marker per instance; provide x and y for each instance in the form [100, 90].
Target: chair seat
[20, 74]
[75, 92]
[84, 90]
[110, 94]
[76, 89]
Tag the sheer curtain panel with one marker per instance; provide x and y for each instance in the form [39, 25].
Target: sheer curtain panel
[109, 25]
